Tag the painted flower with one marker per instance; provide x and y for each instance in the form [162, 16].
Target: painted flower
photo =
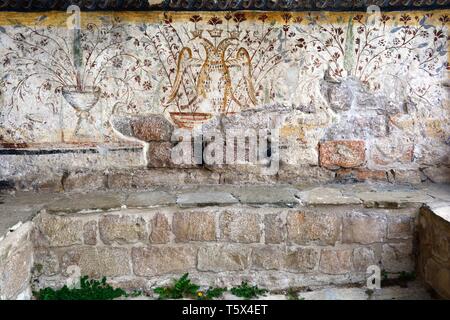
[117, 63]
[405, 18]
[239, 17]
[298, 19]
[444, 19]
[263, 17]
[147, 63]
[286, 17]
[385, 18]
[47, 86]
[214, 21]
[195, 18]
[147, 85]
[358, 18]
[301, 43]
[167, 18]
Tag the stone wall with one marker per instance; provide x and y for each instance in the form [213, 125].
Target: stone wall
[275, 247]
[354, 96]
[16, 262]
[434, 248]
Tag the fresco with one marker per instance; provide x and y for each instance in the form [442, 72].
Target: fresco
[62, 85]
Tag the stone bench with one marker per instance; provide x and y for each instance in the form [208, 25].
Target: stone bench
[275, 236]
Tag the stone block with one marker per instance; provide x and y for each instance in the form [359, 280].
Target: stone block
[397, 257]
[284, 258]
[363, 257]
[336, 261]
[365, 229]
[90, 233]
[243, 227]
[159, 229]
[400, 228]
[159, 155]
[221, 258]
[15, 270]
[153, 261]
[122, 229]
[343, 153]
[153, 127]
[274, 228]
[194, 226]
[96, 262]
[60, 231]
[309, 227]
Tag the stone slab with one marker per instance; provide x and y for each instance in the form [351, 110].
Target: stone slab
[272, 195]
[148, 199]
[200, 199]
[393, 199]
[327, 196]
[86, 202]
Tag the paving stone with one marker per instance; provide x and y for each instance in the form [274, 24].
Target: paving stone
[194, 226]
[220, 258]
[362, 228]
[258, 195]
[149, 199]
[86, 202]
[243, 227]
[328, 196]
[152, 261]
[122, 229]
[309, 227]
[205, 199]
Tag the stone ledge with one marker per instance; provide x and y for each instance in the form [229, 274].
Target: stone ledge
[23, 206]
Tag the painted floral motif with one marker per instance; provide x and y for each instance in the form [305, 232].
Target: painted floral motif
[194, 66]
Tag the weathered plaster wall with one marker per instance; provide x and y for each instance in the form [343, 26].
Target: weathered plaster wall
[361, 95]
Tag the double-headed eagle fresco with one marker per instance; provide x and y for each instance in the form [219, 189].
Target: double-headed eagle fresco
[224, 81]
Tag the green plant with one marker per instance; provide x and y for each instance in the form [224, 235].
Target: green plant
[369, 293]
[247, 292]
[181, 288]
[211, 293]
[88, 290]
[292, 294]
[407, 276]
